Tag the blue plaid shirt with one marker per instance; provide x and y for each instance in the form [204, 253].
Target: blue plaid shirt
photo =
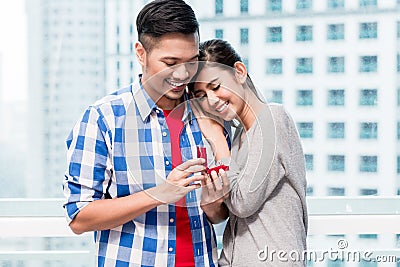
[121, 146]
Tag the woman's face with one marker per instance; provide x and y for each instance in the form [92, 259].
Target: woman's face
[219, 92]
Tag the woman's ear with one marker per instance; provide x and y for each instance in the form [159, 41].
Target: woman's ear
[240, 72]
[140, 53]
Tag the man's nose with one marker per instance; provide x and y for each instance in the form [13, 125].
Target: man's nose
[180, 72]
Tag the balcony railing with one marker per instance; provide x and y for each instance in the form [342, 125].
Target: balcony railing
[44, 218]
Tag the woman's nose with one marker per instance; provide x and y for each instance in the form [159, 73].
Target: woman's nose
[212, 99]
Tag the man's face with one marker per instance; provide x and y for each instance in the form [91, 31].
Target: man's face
[168, 67]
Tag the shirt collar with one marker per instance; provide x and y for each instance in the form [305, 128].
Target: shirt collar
[145, 104]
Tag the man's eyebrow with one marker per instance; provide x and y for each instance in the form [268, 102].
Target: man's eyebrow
[177, 58]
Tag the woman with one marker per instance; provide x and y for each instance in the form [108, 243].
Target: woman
[267, 208]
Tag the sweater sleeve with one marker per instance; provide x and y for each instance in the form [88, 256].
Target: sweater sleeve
[265, 162]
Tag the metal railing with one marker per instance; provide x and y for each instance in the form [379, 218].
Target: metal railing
[44, 218]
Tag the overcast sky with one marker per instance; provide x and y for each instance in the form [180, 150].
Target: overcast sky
[13, 53]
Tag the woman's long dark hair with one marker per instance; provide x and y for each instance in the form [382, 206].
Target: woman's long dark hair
[220, 51]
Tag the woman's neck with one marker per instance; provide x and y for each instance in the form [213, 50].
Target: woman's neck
[251, 109]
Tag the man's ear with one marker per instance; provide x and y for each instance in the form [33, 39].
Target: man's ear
[240, 72]
[140, 53]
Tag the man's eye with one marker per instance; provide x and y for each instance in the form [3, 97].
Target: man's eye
[169, 64]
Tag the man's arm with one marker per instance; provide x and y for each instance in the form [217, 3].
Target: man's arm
[109, 213]
[89, 174]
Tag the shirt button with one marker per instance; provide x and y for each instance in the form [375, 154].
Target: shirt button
[167, 162]
[170, 249]
[164, 134]
[171, 220]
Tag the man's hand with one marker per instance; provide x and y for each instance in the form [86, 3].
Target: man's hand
[177, 184]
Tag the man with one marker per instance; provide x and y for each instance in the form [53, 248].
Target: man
[120, 182]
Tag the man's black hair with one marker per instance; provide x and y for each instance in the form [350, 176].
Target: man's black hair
[160, 17]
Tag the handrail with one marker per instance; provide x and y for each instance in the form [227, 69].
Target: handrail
[27, 218]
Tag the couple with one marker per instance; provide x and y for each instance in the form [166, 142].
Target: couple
[133, 174]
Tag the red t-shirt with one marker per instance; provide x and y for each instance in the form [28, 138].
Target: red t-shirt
[184, 256]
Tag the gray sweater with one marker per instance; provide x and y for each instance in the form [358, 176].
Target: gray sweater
[267, 223]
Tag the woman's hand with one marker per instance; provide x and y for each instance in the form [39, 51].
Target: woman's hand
[215, 189]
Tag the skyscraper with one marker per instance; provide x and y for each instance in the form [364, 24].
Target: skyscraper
[335, 65]
[66, 74]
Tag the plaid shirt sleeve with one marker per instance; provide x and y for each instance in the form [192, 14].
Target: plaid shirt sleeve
[89, 165]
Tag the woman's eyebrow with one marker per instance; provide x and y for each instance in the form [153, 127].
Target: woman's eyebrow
[209, 84]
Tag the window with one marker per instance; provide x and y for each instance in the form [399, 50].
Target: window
[368, 164]
[368, 3]
[274, 35]
[275, 96]
[219, 34]
[244, 36]
[304, 33]
[219, 7]
[336, 130]
[336, 163]
[306, 129]
[398, 29]
[398, 164]
[303, 4]
[368, 130]
[310, 191]
[398, 97]
[335, 64]
[398, 130]
[336, 191]
[304, 65]
[304, 98]
[336, 97]
[368, 30]
[335, 32]
[368, 192]
[244, 6]
[246, 63]
[309, 158]
[368, 97]
[274, 6]
[368, 236]
[398, 62]
[368, 64]
[335, 4]
[274, 66]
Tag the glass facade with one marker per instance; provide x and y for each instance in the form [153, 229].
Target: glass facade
[274, 35]
[336, 65]
[335, 32]
[336, 130]
[368, 30]
[274, 66]
[336, 97]
[336, 163]
[304, 98]
[304, 65]
[306, 129]
[304, 33]
[368, 64]
[368, 130]
[368, 163]
[368, 97]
